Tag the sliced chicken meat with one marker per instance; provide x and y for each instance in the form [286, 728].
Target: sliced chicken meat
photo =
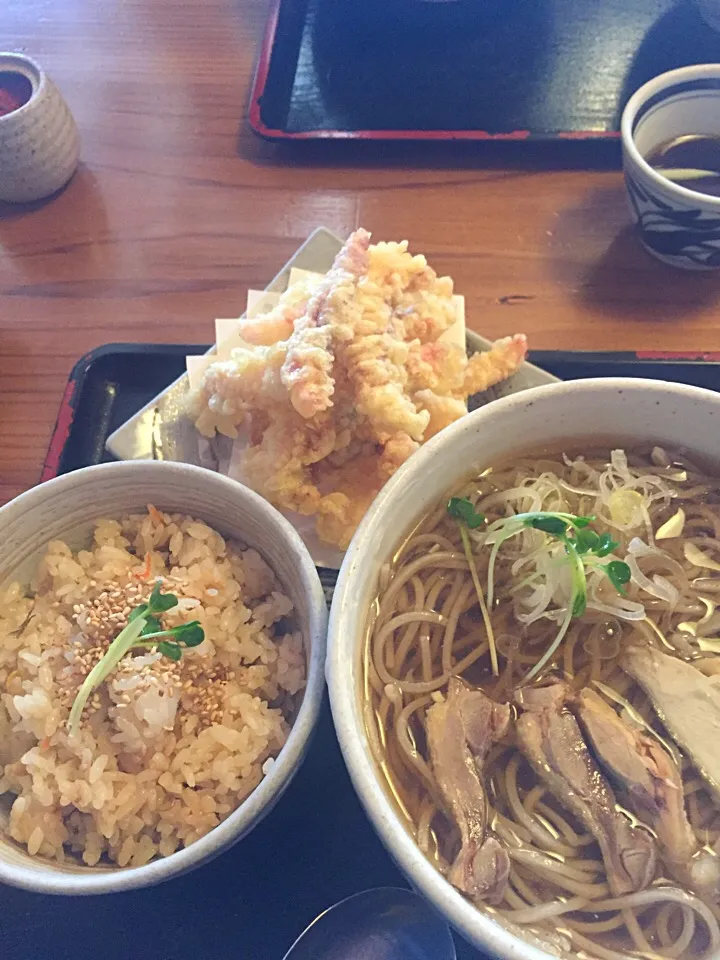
[687, 702]
[460, 732]
[647, 773]
[550, 738]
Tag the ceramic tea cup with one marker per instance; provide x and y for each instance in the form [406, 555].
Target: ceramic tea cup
[680, 226]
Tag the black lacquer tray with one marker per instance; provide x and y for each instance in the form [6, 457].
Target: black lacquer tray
[465, 69]
[317, 846]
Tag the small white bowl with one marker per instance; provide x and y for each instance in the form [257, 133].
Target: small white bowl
[64, 509]
[677, 225]
[622, 410]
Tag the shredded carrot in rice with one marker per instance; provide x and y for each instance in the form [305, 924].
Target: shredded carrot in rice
[155, 513]
[145, 572]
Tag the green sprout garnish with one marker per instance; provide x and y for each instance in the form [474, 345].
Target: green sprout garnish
[143, 629]
[583, 546]
[462, 510]
[619, 574]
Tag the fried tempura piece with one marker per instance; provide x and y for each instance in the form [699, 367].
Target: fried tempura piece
[442, 410]
[449, 378]
[355, 486]
[307, 370]
[486, 369]
[343, 380]
[376, 368]
[280, 465]
[233, 388]
[278, 323]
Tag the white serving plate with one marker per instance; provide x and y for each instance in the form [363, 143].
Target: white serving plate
[162, 431]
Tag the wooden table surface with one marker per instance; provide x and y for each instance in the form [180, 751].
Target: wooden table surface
[178, 208]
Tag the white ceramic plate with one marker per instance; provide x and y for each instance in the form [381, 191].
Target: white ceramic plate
[162, 431]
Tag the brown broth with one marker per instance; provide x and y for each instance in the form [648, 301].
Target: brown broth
[412, 785]
[692, 154]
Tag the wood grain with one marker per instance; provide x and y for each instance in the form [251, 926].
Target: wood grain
[178, 208]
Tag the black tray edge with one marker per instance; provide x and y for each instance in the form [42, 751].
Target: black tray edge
[73, 388]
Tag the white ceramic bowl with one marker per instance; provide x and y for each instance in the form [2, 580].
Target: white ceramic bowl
[678, 226]
[619, 410]
[64, 509]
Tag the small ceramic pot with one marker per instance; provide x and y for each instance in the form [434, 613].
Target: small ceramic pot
[39, 142]
[677, 225]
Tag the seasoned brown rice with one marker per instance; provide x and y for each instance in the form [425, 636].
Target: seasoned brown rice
[165, 751]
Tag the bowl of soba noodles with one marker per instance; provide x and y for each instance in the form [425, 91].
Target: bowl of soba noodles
[524, 671]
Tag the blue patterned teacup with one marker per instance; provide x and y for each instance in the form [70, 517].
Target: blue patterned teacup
[678, 225]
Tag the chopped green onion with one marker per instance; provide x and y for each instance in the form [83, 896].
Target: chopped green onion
[505, 535]
[575, 608]
[554, 645]
[581, 543]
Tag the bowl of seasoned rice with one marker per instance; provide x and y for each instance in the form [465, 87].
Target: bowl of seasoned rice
[162, 643]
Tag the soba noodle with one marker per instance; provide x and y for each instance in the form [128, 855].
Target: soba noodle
[427, 627]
